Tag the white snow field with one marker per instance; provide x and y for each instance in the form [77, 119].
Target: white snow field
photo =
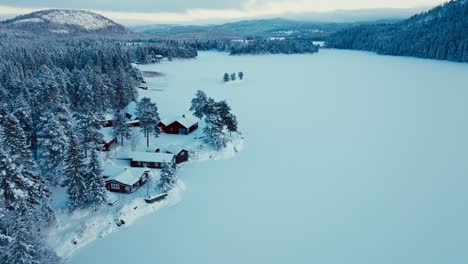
[349, 157]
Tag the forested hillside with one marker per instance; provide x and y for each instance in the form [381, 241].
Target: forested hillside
[441, 33]
[55, 21]
[54, 92]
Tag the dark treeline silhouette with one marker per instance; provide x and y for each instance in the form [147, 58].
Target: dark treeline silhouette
[259, 46]
[441, 33]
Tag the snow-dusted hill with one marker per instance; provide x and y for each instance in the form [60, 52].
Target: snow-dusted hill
[65, 22]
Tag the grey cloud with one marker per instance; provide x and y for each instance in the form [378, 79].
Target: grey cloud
[128, 5]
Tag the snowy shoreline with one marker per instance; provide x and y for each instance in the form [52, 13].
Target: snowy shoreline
[79, 228]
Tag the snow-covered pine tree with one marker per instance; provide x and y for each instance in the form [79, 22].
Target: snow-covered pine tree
[241, 75]
[22, 111]
[125, 88]
[96, 190]
[23, 248]
[214, 132]
[6, 234]
[168, 178]
[27, 245]
[199, 103]
[202, 105]
[147, 113]
[23, 178]
[226, 77]
[121, 128]
[53, 142]
[233, 76]
[14, 187]
[75, 175]
[229, 120]
[89, 125]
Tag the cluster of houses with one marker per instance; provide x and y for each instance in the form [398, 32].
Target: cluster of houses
[137, 165]
[182, 125]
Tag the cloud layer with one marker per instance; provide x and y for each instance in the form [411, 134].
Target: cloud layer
[183, 11]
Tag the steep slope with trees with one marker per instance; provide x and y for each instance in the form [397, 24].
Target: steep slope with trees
[441, 33]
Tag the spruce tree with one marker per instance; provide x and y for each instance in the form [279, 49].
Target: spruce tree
[75, 175]
[167, 179]
[199, 103]
[214, 132]
[233, 76]
[121, 128]
[241, 75]
[148, 116]
[21, 177]
[89, 125]
[224, 113]
[53, 143]
[226, 77]
[96, 190]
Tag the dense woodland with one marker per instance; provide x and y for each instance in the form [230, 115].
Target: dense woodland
[53, 95]
[259, 46]
[441, 33]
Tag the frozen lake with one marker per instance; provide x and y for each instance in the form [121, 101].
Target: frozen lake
[349, 157]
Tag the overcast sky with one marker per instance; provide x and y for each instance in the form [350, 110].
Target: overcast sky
[186, 11]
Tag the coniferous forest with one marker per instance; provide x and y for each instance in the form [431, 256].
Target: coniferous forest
[259, 46]
[53, 95]
[441, 33]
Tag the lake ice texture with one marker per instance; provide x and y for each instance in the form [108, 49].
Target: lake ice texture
[349, 157]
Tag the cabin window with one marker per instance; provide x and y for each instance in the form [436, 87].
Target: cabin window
[182, 153]
[115, 186]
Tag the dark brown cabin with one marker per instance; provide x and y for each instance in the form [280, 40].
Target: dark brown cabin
[124, 184]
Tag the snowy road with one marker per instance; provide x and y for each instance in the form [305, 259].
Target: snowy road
[349, 157]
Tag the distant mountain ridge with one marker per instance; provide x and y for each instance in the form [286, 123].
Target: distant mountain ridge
[440, 33]
[276, 27]
[59, 21]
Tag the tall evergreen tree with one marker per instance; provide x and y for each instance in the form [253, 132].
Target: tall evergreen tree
[121, 128]
[226, 77]
[75, 174]
[167, 179]
[148, 116]
[96, 190]
[53, 143]
[21, 177]
[214, 132]
[224, 112]
[233, 76]
[89, 125]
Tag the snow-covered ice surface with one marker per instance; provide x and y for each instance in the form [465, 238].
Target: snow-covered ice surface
[349, 157]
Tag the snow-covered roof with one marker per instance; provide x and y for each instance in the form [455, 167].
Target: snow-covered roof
[108, 117]
[174, 149]
[152, 157]
[125, 175]
[131, 109]
[187, 120]
[108, 134]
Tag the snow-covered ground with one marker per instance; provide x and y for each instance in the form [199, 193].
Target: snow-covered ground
[81, 227]
[349, 157]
